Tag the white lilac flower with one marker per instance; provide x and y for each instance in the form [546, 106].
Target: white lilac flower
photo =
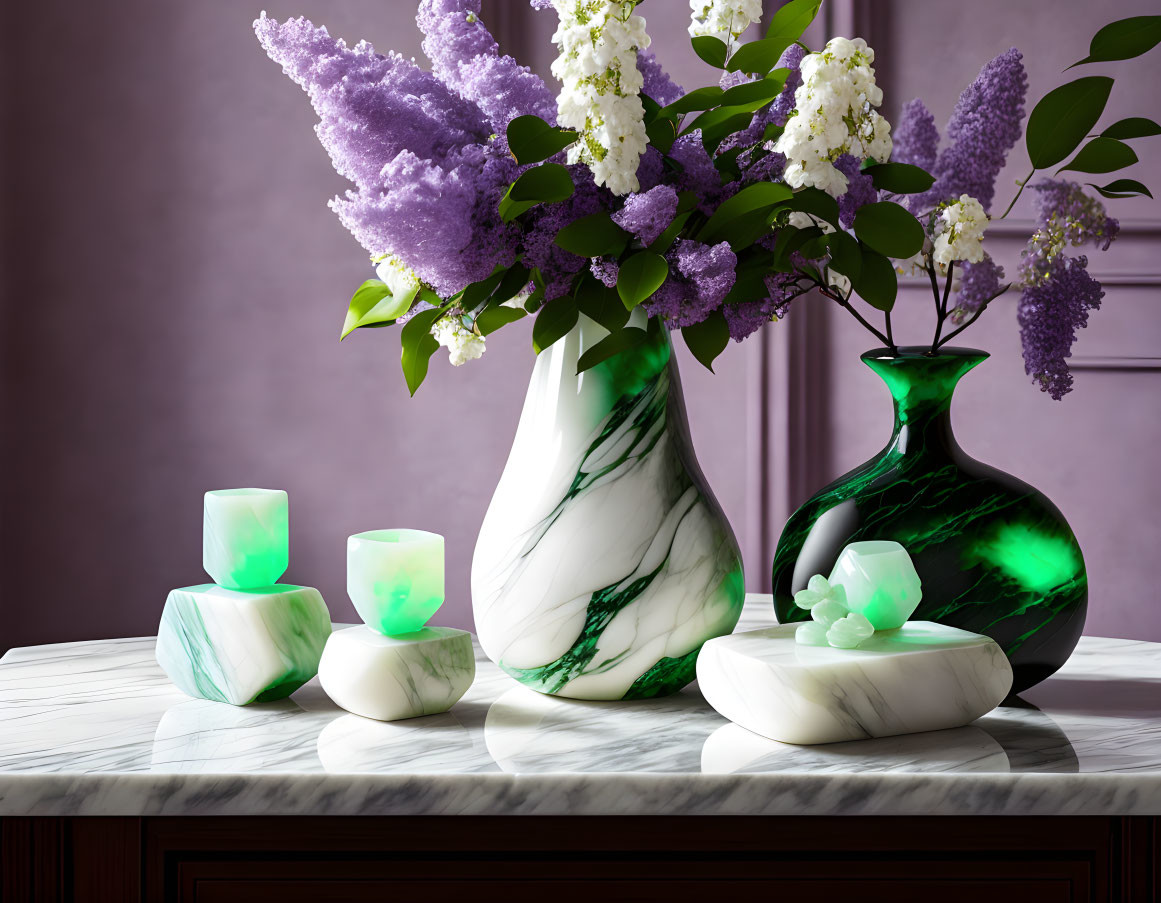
[601, 84]
[723, 19]
[959, 232]
[835, 115]
[398, 277]
[462, 344]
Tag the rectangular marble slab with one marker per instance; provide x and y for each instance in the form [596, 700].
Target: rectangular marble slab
[96, 729]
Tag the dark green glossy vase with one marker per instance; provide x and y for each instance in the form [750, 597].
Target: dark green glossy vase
[995, 555]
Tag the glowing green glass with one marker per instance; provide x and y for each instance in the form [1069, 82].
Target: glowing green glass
[395, 578]
[246, 537]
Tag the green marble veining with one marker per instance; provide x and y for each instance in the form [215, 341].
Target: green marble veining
[644, 401]
[994, 554]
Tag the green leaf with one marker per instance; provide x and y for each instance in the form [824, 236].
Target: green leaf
[889, 229]
[640, 276]
[701, 99]
[610, 345]
[513, 283]
[373, 305]
[712, 50]
[495, 317]
[900, 178]
[1101, 155]
[418, 346]
[792, 19]
[816, 202]
[1133, 127]
[845, 254]
[555, 319]
[1063, 117]
[531, 139]
[756, 57]
[790, 240]
[877, 283]
[651, 107]
[707, 339]
[760, 195]
[546, 183]
[662, 132]
[593, 236]
[1123, 40]
[761, 90]
[1122, 188]
[601, 304]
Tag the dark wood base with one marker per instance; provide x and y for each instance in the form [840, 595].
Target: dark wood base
[863, 860]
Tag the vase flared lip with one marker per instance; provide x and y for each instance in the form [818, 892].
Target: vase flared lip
[923, 353]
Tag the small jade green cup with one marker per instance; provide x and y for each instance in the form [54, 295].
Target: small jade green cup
[395, 578]
[246, 537]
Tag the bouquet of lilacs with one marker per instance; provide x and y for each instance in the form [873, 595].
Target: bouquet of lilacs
[483, 199]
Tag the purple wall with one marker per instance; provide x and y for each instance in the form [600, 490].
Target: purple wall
[174, 283]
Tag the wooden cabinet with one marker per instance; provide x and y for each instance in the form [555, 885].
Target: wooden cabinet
[510, 859]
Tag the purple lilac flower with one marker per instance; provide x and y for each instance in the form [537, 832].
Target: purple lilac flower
[648, 214]
[700, 278]
[984, 126]
[557, 265]
[697, 170]
[606, 270]
[371, 106]
[439, 219]
[979, 283]
[860, 189]
[750, 316]
[657, 83]
[1063, 204]
[916, 138]
[778, 111]
[1050, 312]
[650, 169]
[465, 56]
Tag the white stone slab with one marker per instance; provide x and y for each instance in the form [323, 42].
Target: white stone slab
[921, 677]
[390, 678]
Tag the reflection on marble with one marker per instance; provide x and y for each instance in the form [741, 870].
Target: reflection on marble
[96, 729]
[732, 749]
[528, 732]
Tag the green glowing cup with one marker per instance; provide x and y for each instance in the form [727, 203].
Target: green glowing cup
[246, 537]
[395, 578]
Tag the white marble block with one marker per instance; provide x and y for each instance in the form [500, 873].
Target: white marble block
[242, 646]
[921, 677]
[390, 678]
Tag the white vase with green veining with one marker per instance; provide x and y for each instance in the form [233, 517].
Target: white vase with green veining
[604, 561]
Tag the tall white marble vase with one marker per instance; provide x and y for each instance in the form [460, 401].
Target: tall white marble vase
[604, 561]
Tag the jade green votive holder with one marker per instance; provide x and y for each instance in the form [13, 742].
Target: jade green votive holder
[246, 537]
[395, 578]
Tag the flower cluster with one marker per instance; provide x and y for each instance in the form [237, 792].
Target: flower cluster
[1050, 312]
[597, 66]
[463, 345]
[984, 126]
[959, 232]
[835, 115]
[1065, 216]
[725, 20]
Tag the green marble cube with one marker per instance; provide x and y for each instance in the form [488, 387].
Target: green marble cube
[395, 578]
[246, 537]
[242, 646]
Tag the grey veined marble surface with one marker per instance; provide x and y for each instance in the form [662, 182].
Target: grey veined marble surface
[96, 729]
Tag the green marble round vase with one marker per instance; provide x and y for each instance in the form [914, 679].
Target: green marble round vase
[995, 555]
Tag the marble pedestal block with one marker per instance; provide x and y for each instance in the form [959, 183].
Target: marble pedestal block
[390, 678]
[921, 677]
[242, 646]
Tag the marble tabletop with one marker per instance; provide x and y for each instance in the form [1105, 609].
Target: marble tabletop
[96, 729]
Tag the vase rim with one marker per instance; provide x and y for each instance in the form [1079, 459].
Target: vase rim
[923, 352]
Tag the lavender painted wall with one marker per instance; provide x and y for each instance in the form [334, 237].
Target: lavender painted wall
[173, 286]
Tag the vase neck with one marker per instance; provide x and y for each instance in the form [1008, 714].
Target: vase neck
[921, 385]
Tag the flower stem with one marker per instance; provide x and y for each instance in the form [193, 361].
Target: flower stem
[846, 304]
[890, 334]
[951, 335]
[1022, 183]
[941, 307]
